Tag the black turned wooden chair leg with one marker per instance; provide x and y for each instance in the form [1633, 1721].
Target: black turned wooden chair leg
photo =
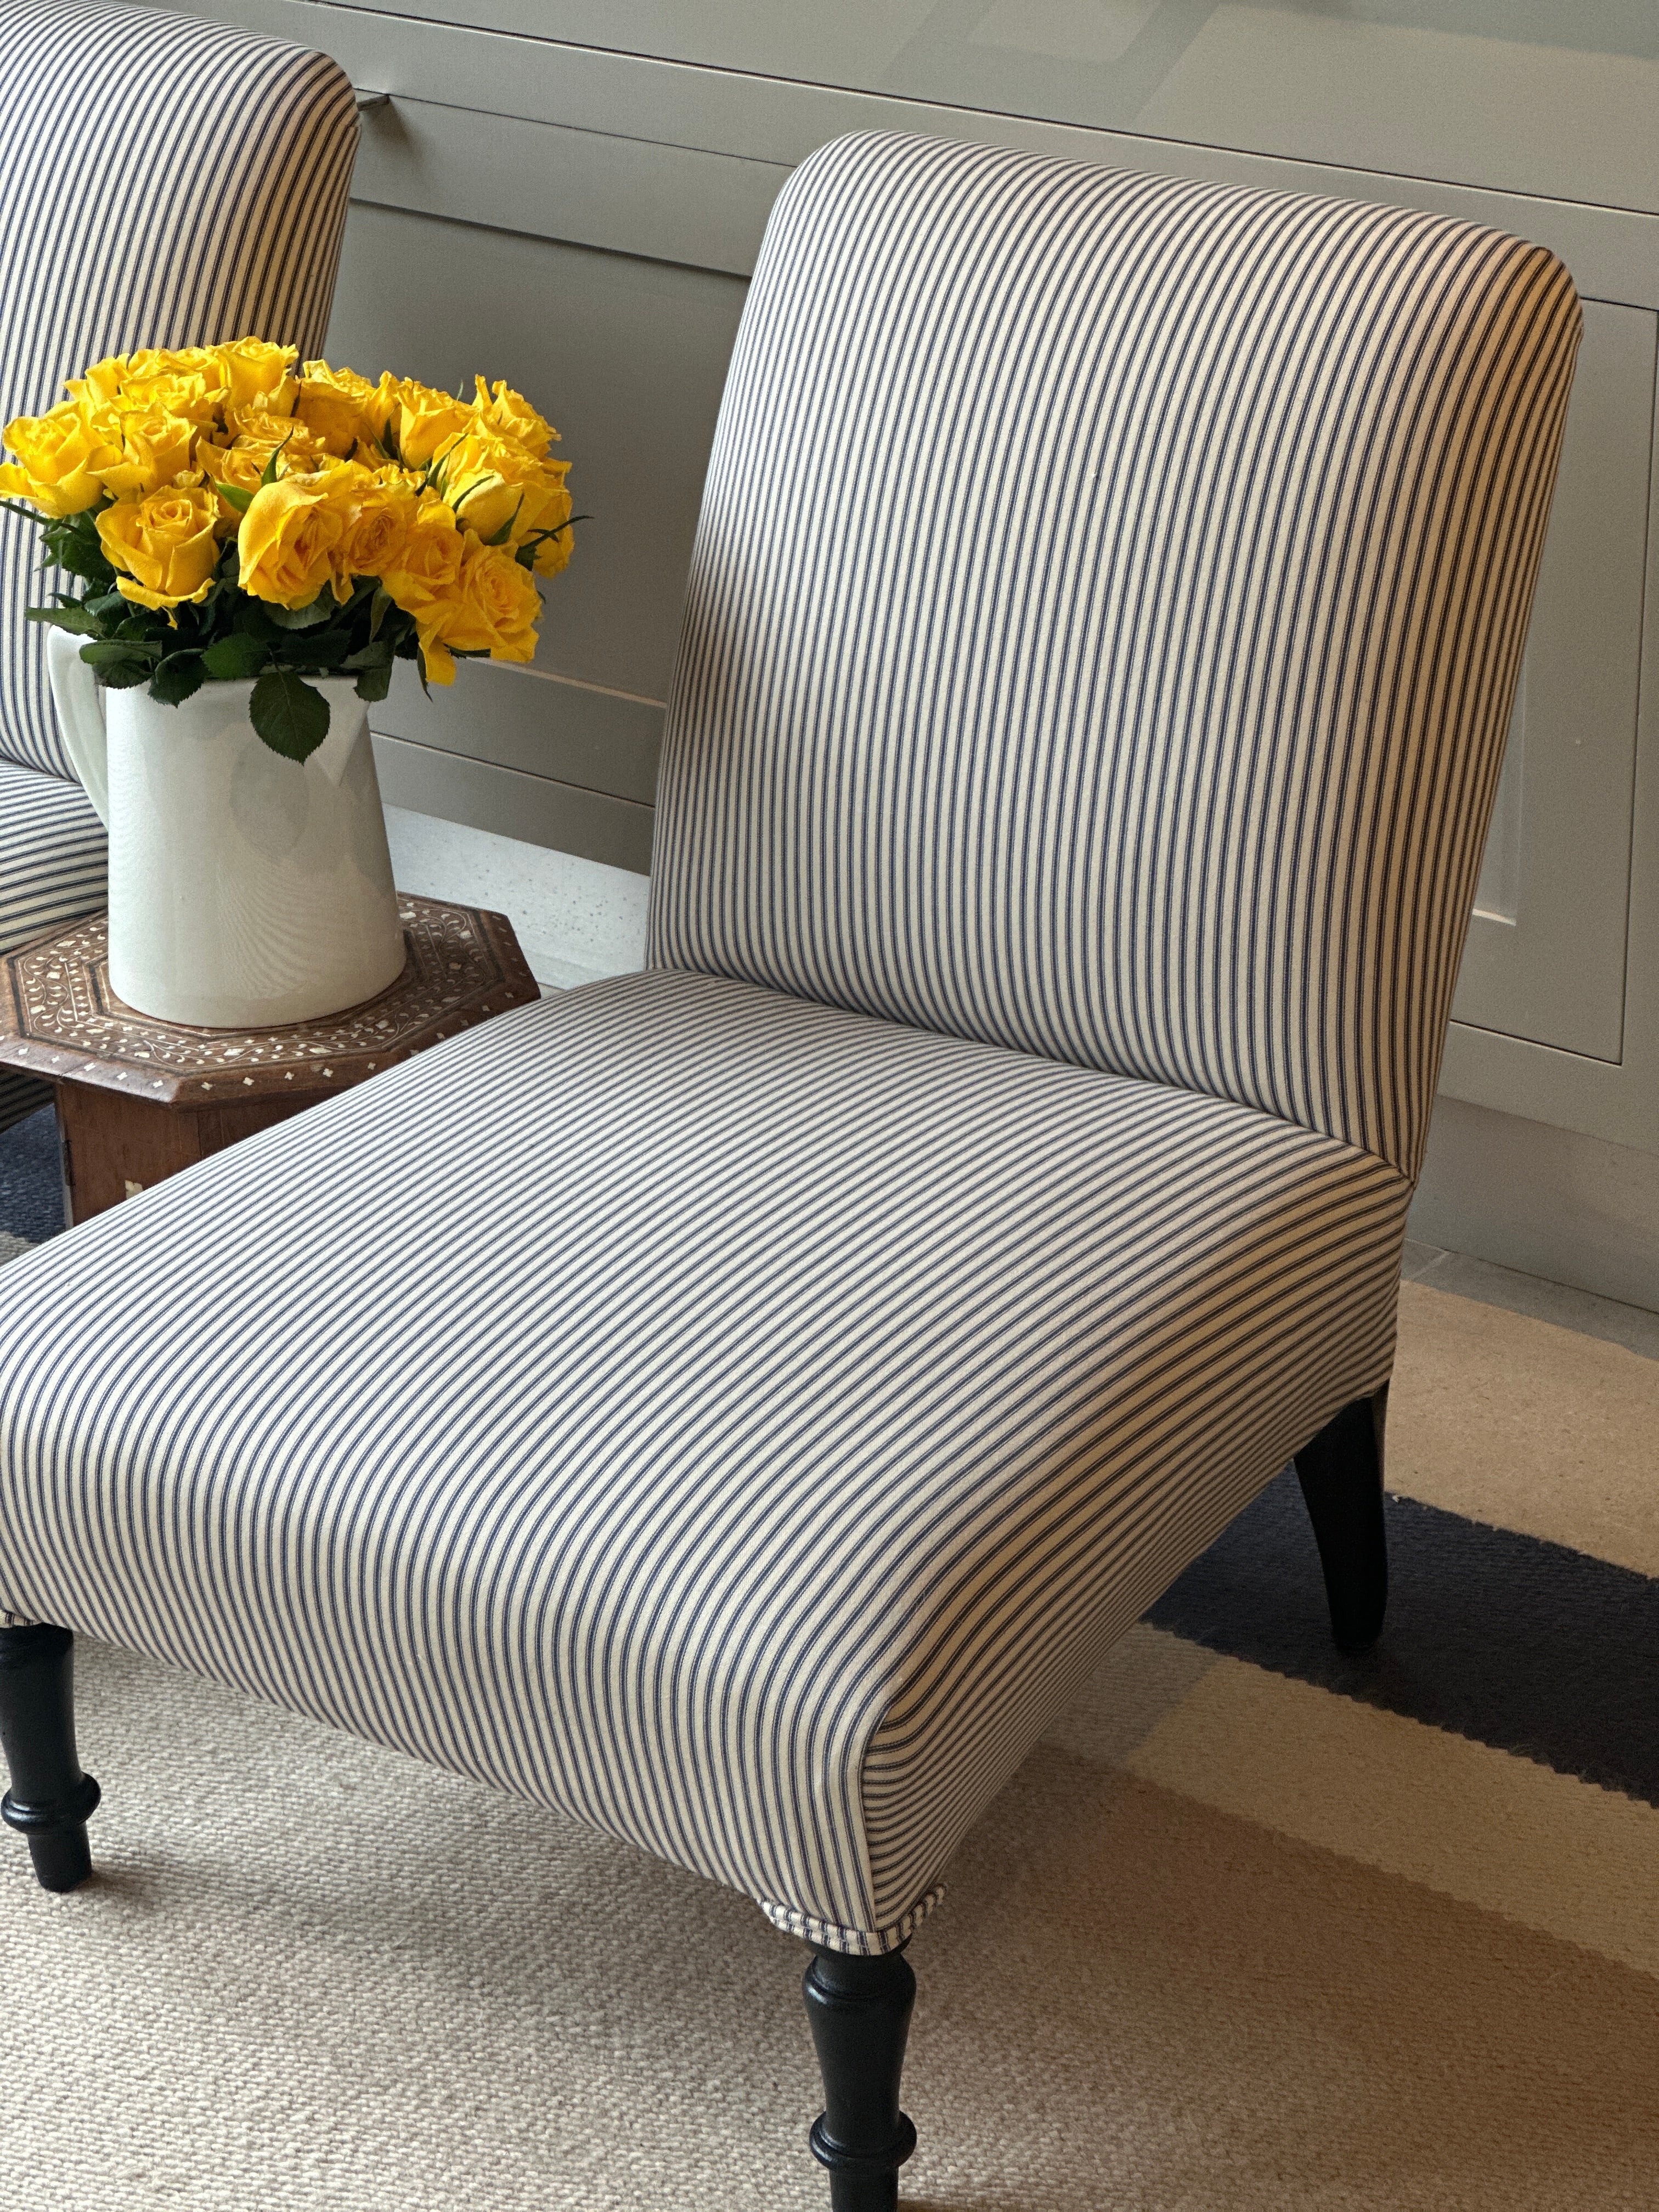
[860, 2009]
[1341, 1476]
[50, 1800]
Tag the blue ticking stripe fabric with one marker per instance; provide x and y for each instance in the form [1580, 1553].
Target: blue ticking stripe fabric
[163, 182]
[1104, 618]
[52, 860]
[811, 1400]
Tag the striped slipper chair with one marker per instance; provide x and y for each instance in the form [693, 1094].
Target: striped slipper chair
[743, 1426]
[162, 182]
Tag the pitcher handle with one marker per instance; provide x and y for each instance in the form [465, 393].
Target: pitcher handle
[80, 704]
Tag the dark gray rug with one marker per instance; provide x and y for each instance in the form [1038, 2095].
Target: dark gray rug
[30, 1185]
[1499, 1637]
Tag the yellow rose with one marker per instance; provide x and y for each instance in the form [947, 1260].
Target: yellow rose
[494, 610]
[553, 554]
[287, 540]
[254, 370]
[58, 453]
[409, 480]
[165, 545]
[151, 448]
[101, 383]
[381, 407]
[151, 383]
[493, 482]
[198, 398]
[377, 516]
[428, 421]
[271, 417]
[174, 361]
[544, 505]
[501, 409]
[244, 462]
[331, 404]
[498, 606]
[425, 576]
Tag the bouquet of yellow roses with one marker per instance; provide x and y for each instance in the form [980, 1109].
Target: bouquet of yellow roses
[234, 513]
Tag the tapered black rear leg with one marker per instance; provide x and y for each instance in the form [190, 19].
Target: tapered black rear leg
[1341, 1476]
[50, 1800]
[860, 2009]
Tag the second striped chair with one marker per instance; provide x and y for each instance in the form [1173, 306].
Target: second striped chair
[163, 182]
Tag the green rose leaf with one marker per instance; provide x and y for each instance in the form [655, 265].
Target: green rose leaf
[233, 495]
[74, 544]
[109, 652]
[376, 681]
[321, 608]
[289, 713]
[232, 659]
[72, 618]
[124, 676]
[92, 567]
[316, 649]
[268, 474]
[179, 676]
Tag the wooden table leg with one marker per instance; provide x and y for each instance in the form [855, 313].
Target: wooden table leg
[115, 1146]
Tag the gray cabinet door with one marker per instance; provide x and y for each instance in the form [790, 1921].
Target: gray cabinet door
[1550, 96]
[1545, 958]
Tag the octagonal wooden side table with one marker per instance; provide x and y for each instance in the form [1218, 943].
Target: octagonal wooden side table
[139, 1099]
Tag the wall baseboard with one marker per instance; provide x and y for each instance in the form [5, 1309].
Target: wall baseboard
[576, 920]
[1546, 1201]
[562, 819]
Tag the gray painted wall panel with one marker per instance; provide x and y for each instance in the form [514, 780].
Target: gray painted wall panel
[626, 356]
[1556, 973]
[525, 718]
[1554, 98]
[669, 203]
[1613, 253]
[536, 809]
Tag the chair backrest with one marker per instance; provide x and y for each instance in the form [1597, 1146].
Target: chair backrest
[1105, 612]
[162, 182]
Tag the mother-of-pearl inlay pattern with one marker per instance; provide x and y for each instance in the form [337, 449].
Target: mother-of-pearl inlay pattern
[60, 1020]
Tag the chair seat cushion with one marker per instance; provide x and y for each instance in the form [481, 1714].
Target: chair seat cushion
[53, 868]
[54, 854]
[733, 1421]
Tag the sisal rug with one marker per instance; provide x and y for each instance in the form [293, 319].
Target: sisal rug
[1255, 1927]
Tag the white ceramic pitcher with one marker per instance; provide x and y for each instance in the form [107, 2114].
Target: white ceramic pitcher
[244, 890]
